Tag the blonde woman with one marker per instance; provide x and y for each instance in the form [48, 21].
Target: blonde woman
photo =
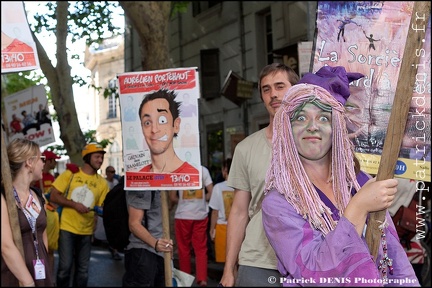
[26, 165]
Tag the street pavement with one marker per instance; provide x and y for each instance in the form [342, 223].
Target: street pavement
[107, 272]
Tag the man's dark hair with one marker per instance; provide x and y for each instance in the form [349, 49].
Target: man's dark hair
[168, 95]
[273, 68]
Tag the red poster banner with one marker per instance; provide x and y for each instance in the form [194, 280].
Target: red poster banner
[18, 50]
[169, 79]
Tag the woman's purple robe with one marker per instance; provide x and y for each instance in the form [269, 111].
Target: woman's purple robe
[342, 258]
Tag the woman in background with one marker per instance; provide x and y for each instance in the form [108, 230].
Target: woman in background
[34, 269]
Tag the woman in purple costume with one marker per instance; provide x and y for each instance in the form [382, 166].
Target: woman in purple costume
[317, 200]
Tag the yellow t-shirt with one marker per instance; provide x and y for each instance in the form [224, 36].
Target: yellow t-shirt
[89, 190]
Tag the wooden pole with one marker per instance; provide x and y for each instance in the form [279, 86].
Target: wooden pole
[166, 235]
[10, 198]
[399, 113]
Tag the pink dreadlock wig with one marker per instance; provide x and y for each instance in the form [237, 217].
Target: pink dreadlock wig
[291, 180]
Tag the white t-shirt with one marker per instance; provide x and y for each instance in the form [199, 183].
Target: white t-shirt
[113, 183]
[192, 204]
[221, 200]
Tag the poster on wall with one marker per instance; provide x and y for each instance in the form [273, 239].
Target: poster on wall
[28, 116]
[369, 37]
[19, 52]
[304, 55]
[159, 116]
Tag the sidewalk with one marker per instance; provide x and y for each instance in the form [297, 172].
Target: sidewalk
[214, 272]
[107, 272]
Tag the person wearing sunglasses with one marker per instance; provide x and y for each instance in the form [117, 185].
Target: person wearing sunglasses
[33, 268]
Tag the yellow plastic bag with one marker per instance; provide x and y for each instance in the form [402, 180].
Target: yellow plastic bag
[53, 228]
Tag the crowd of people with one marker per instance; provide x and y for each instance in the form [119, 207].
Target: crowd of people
[292, 204]
[70, 232]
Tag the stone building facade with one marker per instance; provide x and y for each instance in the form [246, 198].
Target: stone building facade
[232, 40]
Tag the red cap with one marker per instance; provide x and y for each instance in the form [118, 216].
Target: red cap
[50, 155]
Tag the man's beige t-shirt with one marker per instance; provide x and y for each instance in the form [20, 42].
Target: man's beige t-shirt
[251, 160]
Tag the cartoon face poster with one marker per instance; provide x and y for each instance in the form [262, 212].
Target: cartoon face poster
[159, 112]
[369, 37]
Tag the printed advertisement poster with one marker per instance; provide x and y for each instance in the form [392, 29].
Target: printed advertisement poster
[161, 143]
[369, 37]
[28, 116]
[19, 51]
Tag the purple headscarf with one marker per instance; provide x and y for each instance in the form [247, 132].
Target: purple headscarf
[334, 79]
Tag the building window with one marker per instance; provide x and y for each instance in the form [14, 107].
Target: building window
[201, 6]
[215, 148]
[114, 159]
[112, 99]
[210, 79]
[268, 37]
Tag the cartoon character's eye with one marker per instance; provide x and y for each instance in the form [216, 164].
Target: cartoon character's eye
[163, 120]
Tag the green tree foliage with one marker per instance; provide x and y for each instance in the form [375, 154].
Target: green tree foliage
[90, 136]
[15, 82]
[89, 20]
[92, 21]
[179, 7]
